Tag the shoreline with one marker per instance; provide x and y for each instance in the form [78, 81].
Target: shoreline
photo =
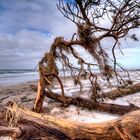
[22, 94]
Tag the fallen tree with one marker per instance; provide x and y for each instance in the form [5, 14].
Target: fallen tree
[31, 125]
[81, 102]
[120, 92]
[87, 15]
[90, 35]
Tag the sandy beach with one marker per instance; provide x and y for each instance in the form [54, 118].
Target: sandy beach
[23, 95]
[20, 93]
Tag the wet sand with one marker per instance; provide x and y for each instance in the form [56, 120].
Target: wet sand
[23, 95]
[20, 93]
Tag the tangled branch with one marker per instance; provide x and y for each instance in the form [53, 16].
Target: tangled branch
[122, 16]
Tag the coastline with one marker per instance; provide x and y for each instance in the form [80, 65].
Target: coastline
[22, 94]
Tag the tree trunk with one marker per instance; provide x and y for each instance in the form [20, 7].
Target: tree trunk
[120, 92]
[36, 126]
[81, 102]
[10, 132]
[39, 98]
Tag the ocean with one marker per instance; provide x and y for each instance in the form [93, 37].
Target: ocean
[15, 76]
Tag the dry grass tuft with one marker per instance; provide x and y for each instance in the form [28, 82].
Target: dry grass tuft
[12, 114]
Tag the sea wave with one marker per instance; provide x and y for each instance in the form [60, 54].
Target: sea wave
[8, 77]
[12, 71]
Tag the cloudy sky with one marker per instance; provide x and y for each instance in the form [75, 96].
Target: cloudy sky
[28, 27]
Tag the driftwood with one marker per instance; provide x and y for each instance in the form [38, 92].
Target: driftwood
[123, 91]
[4, 98]
[31, 125]
[81, 102]
[40, 97]
[10, 132]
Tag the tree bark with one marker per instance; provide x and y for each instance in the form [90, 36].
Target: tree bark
[81, 102]
[40, 97]
[10, 132]
[120, 92]
[36, 126]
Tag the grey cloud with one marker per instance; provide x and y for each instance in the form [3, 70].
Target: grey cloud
[35, 14]
[24, 46]
[27, 29]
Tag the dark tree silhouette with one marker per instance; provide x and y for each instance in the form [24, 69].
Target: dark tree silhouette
[121, 15]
